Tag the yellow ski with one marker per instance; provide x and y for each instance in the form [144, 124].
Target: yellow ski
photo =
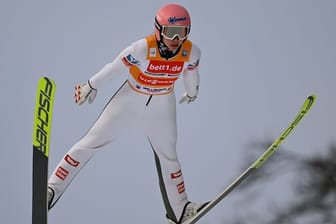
[269, 151]
[41, 142]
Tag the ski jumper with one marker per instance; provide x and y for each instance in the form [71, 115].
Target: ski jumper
[146, 100]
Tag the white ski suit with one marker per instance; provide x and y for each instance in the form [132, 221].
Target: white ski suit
[145, 100]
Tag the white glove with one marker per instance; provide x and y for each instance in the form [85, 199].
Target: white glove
[187, 98]
[84, 92]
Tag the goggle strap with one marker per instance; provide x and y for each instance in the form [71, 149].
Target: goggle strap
[157, 25]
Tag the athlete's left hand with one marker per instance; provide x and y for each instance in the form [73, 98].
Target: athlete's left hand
[188, 99]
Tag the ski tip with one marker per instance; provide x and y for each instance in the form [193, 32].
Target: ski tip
[312, 96]
[309, 102]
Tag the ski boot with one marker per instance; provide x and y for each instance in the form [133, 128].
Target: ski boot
[189, 211]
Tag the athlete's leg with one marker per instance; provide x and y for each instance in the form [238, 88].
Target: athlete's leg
[114, 119]
[162, 134]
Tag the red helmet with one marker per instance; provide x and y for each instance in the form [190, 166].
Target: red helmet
[172, 21]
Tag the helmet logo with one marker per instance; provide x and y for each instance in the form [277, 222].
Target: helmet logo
[172, 20]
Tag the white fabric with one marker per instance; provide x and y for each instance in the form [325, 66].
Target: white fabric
[155, 114]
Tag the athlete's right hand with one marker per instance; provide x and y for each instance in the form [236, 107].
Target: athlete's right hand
[84, 92]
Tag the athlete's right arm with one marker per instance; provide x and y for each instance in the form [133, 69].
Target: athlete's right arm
[137, 51]
[88, 91]
[110, 70]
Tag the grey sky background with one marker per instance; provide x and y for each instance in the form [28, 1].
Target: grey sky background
[260, 60]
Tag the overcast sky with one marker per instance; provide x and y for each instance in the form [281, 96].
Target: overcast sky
[260, 60]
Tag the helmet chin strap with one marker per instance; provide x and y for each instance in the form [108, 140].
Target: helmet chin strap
[165, 52]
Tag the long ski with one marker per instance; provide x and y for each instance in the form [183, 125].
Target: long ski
[41, 141]
[269, 151]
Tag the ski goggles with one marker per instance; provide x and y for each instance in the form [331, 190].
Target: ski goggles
[171, 32]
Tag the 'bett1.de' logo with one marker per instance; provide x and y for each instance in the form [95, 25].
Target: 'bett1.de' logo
[165, 67]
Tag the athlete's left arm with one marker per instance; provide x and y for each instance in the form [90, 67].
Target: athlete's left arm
[191, 76]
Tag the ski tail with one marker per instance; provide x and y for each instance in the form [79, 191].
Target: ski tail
[41, 142]
[309, 102]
